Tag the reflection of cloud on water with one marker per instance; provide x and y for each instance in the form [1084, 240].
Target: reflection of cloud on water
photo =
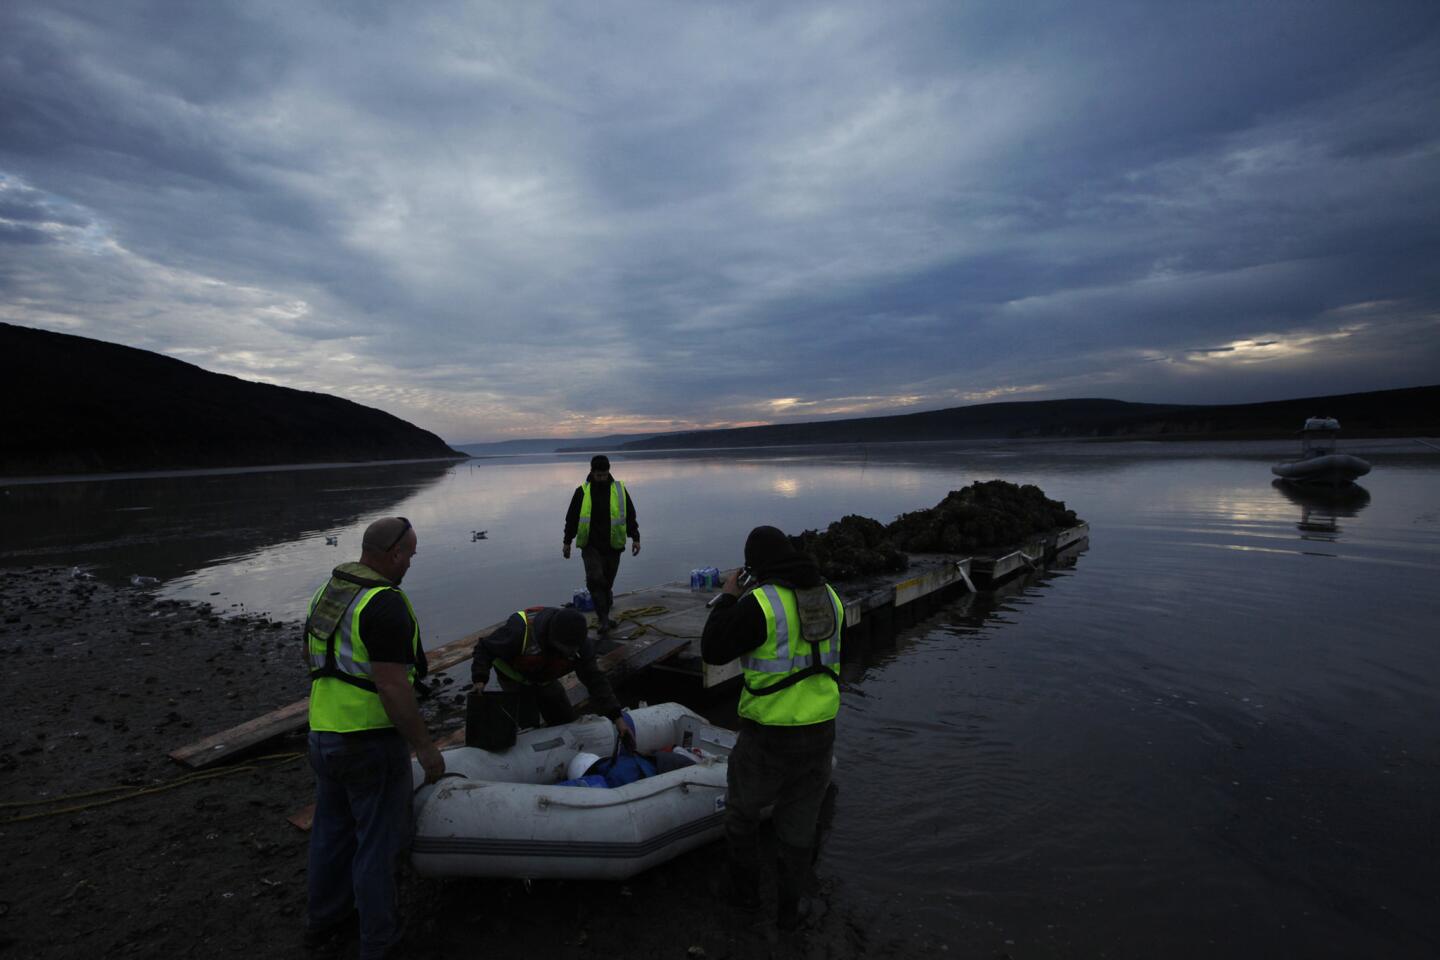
[785, 486]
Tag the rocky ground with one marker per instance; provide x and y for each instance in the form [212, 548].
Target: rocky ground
[113, 850]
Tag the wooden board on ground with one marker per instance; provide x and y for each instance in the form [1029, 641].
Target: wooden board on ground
[293, 716]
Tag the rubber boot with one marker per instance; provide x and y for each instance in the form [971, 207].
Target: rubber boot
[740, 880]
[792, 885]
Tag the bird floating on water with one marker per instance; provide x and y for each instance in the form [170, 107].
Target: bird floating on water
[478, 535]
[331, 541]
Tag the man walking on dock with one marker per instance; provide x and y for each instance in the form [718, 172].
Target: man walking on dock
[363, 645]
[786, 628]
[600, 532]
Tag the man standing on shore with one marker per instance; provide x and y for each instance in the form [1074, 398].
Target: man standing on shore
[601, 531]
[786, 630]
[363, 645]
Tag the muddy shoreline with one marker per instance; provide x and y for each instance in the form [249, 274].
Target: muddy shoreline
[101, 682]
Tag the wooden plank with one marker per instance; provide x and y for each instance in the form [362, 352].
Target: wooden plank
[293, 716]
[226, 743]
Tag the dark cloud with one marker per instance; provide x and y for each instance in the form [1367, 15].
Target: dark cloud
[517, 212]
[19, 233]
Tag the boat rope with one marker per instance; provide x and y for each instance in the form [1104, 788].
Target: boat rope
[129, 792]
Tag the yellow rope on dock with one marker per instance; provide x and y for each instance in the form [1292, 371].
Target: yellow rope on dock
[270, 761]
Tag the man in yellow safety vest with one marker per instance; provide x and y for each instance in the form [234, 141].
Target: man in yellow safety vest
[531, 652]
[785, 626]
[600, 517]
[363, 645]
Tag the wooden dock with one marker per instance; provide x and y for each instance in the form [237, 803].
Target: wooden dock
[661, 626]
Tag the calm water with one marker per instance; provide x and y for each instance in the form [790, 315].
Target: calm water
[1215, 734]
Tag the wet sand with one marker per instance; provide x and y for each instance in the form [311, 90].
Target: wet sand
[101, 682]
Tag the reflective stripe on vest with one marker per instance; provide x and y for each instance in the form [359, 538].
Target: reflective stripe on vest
[345, 700]
[617, 515]
[530, 647]
[785, 652]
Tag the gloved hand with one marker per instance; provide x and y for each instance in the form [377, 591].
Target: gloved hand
[624, 731]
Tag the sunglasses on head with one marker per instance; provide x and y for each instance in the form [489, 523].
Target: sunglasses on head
[400, 536]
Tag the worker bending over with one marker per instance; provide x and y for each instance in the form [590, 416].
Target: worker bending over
[531, 652]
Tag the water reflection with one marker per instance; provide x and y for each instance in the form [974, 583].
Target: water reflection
[962, 614]
[1321, 507]
[1180, 749]
[786, 487]
[169, 526]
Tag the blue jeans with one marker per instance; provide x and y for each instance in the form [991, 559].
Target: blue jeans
[363, 822]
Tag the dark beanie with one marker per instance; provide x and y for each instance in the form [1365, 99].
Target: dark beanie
[765, 546]
[567, 630]
[599, 462]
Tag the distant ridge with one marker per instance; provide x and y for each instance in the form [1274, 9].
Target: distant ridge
[502, 448]
[86, 406]
[1403, 412]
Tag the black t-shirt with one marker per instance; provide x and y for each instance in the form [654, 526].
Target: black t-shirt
[387, 627]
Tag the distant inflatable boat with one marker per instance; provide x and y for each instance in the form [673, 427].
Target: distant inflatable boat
[506, 814]
[1319, 462]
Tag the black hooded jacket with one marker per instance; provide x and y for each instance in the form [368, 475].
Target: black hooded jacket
[736, 625]
[600, 516]
[508, 640]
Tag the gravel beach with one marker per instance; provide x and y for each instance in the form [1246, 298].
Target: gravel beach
[100, 682]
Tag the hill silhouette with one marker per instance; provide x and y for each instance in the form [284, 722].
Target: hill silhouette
[85, 406]
[1404, 412]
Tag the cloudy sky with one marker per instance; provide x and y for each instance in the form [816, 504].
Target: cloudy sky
[513, 219]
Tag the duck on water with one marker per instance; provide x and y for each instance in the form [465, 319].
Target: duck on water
[1319, 463]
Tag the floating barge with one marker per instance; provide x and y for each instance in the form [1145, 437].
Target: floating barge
[661, 628]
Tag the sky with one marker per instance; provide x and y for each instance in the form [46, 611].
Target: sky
[510, 220]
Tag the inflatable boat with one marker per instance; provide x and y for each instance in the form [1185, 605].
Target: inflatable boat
[1319, 462]
[508, 814]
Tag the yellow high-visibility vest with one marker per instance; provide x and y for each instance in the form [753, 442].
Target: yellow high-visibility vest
[617, 515]
[343, 698]
[792, 680]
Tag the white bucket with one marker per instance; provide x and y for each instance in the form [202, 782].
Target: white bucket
[654, 726]
[579, 764]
